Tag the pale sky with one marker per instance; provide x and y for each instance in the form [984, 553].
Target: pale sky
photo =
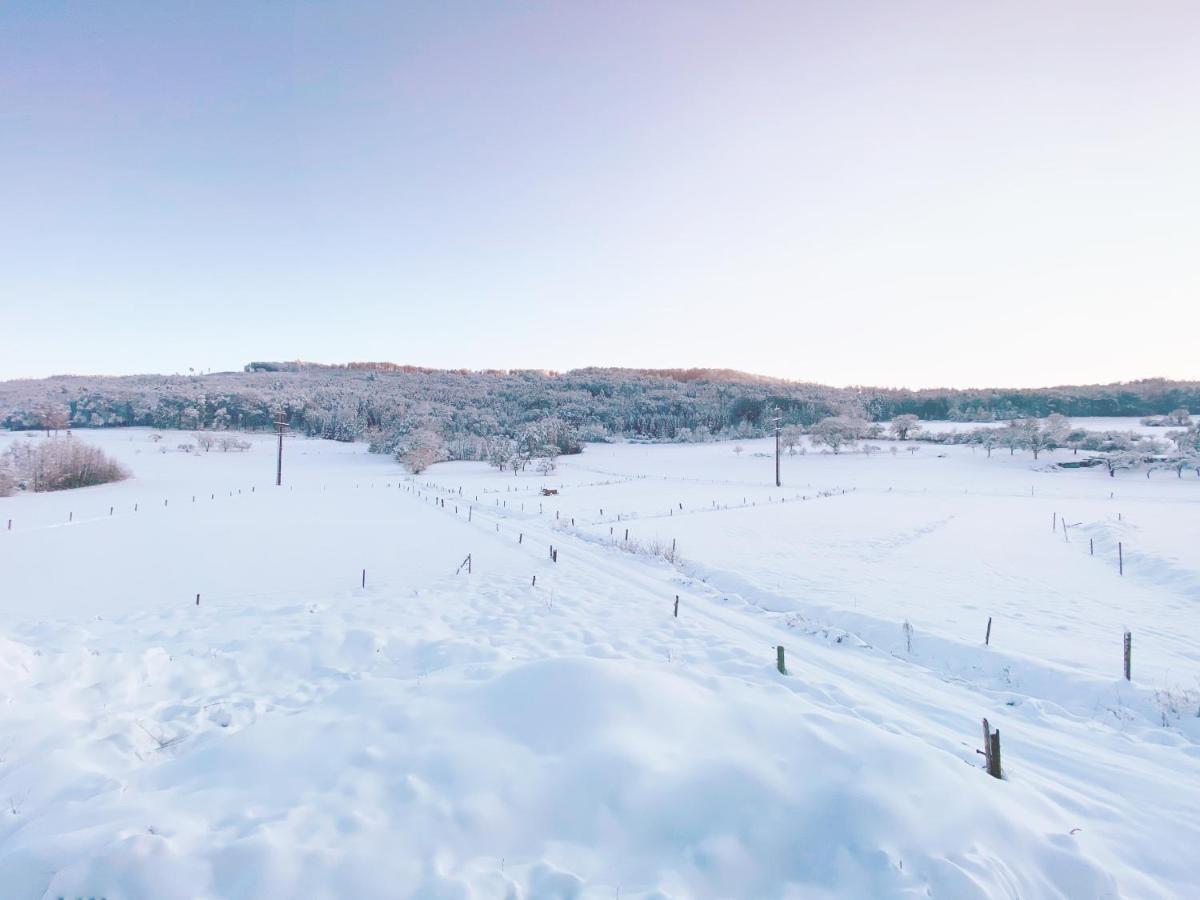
[894, 193]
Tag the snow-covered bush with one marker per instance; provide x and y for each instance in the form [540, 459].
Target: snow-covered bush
[60, 463]
[651, 547]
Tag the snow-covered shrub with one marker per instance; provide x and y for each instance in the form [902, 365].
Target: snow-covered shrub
[1177, 702]
[651, 547]
[60, 463]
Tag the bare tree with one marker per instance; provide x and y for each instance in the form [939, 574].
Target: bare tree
[54, 418]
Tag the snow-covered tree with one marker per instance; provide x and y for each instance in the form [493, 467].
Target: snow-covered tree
[421, 449]
[902, 425]
[1186, 440]
[789, 437]
[1012, 436]
[986, 438]
[7, 482]
[835, 432]
[1038, 435]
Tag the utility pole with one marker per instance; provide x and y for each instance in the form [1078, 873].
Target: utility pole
[778, 483]
[280, 425]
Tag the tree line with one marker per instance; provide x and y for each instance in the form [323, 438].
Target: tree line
[473, 413]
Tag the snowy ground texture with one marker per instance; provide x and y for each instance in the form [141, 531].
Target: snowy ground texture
[443, 735]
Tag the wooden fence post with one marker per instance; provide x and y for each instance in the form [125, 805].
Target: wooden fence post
[197, 599]
[677, 606]
[1128, 655]
[991, 750]
[1120, 559]
[779, 663]
[987, 638]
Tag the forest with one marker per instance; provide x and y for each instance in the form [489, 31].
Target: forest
[384, 402]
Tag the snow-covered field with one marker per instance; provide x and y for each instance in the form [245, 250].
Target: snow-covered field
[443, 734]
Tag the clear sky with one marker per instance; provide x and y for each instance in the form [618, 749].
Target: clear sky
[893, 193]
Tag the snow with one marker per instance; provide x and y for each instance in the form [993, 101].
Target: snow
[475, 735]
